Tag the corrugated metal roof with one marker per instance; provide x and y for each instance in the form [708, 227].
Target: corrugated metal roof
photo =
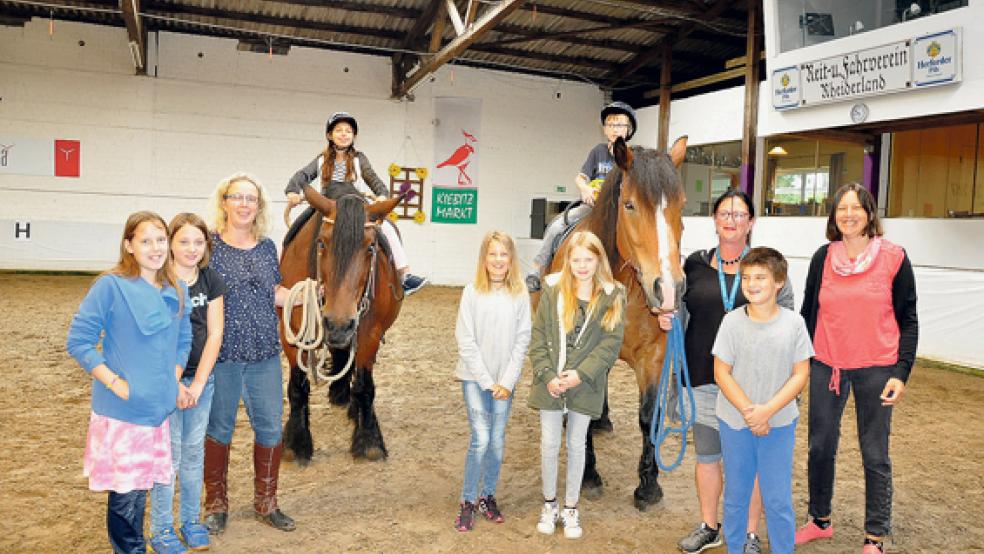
[598, 40]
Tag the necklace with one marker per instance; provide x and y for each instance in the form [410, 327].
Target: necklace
[734, 261]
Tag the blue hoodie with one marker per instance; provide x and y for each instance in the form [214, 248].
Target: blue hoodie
[144, 340]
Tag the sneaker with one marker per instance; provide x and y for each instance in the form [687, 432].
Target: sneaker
[811, 532]
[466, 517]
[873, 548]
[572, 523]
[167, 542]
[488, 508]
[752, 544]
[548, 518]
[533, 282]
[413, 283]
[701, 538]
[195, 535]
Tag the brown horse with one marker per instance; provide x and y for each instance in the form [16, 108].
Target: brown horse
[362, 297]
[638, 219]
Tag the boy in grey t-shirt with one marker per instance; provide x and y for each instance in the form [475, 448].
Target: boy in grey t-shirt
[761, 362]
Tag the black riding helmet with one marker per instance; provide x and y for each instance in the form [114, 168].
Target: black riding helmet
[338, 117]
[624, 109]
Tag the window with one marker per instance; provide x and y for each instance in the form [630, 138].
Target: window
[807, 22]
[937, 172]
[802, 174]
[707, 172]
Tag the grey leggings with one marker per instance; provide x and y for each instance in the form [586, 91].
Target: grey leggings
[551, 430]
[555, 228]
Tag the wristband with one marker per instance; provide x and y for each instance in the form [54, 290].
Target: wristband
[113, 382]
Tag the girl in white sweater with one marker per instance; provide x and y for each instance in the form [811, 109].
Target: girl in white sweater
[493, 332]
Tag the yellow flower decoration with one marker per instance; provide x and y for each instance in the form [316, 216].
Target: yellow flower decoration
[392, 217]
[394, 170]
[420, 217]
[421, 173]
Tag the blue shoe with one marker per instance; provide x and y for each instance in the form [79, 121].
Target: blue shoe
[167, 542]
[195, 535]
[412, 283]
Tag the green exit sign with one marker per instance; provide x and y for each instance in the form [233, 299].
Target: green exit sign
[561, 188]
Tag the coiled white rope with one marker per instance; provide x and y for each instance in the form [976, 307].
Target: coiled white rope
[309, 337]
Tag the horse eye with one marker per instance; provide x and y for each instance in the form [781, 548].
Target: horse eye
[629, 205]
[321, 244]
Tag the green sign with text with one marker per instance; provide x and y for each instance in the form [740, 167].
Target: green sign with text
[454, 205]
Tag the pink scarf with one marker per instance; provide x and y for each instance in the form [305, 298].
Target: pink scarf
[844, 265]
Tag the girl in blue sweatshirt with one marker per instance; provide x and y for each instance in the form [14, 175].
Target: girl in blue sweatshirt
[143, 313]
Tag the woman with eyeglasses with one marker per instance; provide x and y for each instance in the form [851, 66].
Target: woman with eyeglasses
[713, 290]
[249, 360]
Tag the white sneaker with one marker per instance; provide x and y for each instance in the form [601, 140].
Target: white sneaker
[548, 518]
[572, 523]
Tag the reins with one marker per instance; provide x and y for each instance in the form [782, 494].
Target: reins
[674, 366]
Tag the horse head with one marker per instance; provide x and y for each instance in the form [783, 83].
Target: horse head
[648, 196]
[348, 249]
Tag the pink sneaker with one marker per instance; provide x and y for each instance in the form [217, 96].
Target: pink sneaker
[811, 532]
[872, 549]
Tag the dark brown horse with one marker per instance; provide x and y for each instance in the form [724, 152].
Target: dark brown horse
[638, 219]
[362, 297]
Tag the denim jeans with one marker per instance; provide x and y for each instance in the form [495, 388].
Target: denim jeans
[187, 460]
[261, 386]
[771, 458]
[487, 418]
[551, 431]
[124, 521]
[874, 425]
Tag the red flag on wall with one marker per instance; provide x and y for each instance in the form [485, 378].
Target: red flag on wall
[67, 158]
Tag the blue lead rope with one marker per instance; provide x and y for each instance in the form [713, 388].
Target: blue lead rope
[674, 367]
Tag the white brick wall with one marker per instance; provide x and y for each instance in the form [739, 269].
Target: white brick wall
[163, 142]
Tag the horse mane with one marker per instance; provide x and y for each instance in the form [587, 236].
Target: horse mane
[348, 232]
[654, 175]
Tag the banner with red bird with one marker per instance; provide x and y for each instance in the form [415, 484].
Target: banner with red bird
[457, 134]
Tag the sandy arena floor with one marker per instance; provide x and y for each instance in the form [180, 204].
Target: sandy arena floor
[408, 502]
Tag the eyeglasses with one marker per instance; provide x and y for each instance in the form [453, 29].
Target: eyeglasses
[737, 217]
[617, 125]
[240, 198]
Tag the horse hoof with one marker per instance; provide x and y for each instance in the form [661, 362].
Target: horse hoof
[643, 498]
[375, 454]
[593, 492]
[600, 426]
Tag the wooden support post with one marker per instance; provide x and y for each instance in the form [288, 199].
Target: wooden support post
[665, 80]
[753, 51]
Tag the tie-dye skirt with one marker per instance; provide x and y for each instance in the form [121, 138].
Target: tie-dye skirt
[123, 457]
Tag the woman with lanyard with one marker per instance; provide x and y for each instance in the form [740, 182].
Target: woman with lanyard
[714, 289]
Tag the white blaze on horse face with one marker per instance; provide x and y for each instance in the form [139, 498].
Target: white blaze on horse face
[663, 233]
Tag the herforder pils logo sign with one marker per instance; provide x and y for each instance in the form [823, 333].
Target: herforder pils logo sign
[935, 59]
[786, 88]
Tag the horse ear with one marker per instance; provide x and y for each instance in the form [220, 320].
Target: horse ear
[623, 154]
[378, 210]
[319, 202]
[679, 151]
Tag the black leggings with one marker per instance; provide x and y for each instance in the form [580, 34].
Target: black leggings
[124, 521]
[874, 426]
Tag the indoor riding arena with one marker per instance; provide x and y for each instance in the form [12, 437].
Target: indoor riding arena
[480, 113]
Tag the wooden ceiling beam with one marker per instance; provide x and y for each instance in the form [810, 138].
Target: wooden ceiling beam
[136, 34]
[552, 58]
[655, 51]
[492, 17]
[576, 36]
[402, 61]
